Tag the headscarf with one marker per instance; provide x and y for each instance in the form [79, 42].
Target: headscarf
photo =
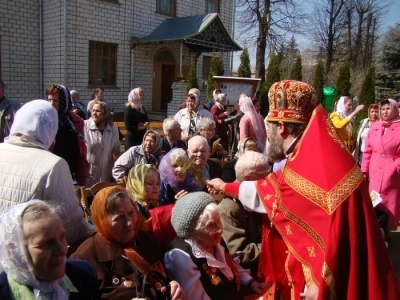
[167, 173]
[153, 157]
[134, 100]
[15, 259]
[104, 230]
[341, 110]
[136, 181]
[37, 121]
[393, 114]
[65, 106]
[256, 121]
[219, 101]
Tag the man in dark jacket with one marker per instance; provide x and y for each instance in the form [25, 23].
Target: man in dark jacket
[8, 108]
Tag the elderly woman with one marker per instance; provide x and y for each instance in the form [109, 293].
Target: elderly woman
[122, 253]
[173, 184]
[381, 160]
[143, 184]
[77, 106]
[220, 115]
[136, 119]
[69, 142]
[341, 119]
[252, 123]
[365, 125]
[33, 251]
[197, 260]
[98, 94]
[207, 130]
[102, 141]
[190, 116]
[146, 153]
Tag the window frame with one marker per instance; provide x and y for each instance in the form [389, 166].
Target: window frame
[159, 11]
[94, 61]
[217, 2]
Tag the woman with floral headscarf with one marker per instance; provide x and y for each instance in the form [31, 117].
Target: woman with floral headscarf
[136, 119]
[381, 160]
[252, 123]
[341, 119]
[146, 153]
[122, 252]
[69, 142]
[220, 114]
[173, 184]
[33, 251]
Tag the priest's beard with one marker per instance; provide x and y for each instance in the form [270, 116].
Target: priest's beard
[275, 149]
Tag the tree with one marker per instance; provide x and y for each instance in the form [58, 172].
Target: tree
[244, 67]
[367, 95]
[319, 81]
[267, 22]
[287, 58]
[216, 69]
[273, 76]
[192, 77]
[296, 73]
[343, 84]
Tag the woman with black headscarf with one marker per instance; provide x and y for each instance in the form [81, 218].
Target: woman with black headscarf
[69, 142]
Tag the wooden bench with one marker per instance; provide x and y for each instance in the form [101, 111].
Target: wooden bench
[156, 126]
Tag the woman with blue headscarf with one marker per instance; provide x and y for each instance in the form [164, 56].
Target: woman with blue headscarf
[69, 142]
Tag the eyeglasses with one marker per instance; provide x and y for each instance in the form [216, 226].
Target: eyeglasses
[209, 130]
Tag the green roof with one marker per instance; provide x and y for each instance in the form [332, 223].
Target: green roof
[202, 33]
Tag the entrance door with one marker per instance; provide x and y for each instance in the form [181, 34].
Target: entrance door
[167, 77]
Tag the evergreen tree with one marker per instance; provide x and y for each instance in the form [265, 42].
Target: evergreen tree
[273, 75]
[296, 73]
[192, 77]
[244, 68]
[343, 84]
[216, 69]
[367, 96]
[319, 80]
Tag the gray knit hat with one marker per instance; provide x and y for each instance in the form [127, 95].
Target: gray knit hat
[187, 210]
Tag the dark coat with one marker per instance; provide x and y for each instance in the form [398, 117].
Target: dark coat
[112, 269]
[166, 147]
[132, 118]
[220, 129]
[80, 272]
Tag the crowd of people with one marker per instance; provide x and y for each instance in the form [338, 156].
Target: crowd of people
[225, 205]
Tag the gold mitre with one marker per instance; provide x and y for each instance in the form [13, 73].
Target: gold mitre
[291, 101]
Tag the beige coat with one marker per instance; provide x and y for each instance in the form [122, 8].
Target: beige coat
[100, 150]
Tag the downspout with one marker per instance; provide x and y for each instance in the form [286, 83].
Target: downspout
[65, 41]
[233, 32]
[41, 89]
[180, 61]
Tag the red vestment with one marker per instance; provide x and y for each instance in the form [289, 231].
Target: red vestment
[319, 206]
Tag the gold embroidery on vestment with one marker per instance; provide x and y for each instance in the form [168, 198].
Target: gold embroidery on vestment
[328, 277]
[330, 200]
[267, 197]
[307, 274]
[334, 134]
[311, 251]
[288, 231]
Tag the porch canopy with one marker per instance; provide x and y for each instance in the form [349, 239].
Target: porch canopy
[203, 33]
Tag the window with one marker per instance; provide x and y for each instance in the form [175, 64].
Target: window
[167, 7]
[206, 66]
[212, 6]
[102, 64]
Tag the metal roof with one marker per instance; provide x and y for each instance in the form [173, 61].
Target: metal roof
[202, 33]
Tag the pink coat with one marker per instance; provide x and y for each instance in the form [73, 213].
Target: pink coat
[381, 160]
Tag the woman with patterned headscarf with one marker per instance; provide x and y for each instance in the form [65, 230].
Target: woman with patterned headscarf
[173, 184]
[69, 142]
[122, 252]
[136, 119]
[143, 184]
[147, 153]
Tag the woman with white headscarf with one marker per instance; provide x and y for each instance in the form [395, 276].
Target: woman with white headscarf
[136, 119]
[341, 119]
[33, 254]
[28, 170]
[252, 124]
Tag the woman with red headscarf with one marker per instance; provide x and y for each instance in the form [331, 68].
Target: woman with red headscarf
[381, 160]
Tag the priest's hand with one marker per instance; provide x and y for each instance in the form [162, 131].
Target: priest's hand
[311, 292]
[215, 186]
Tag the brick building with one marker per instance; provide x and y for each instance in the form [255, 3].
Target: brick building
[114, 44]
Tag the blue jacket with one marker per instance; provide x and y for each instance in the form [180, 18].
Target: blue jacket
[80, 272]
